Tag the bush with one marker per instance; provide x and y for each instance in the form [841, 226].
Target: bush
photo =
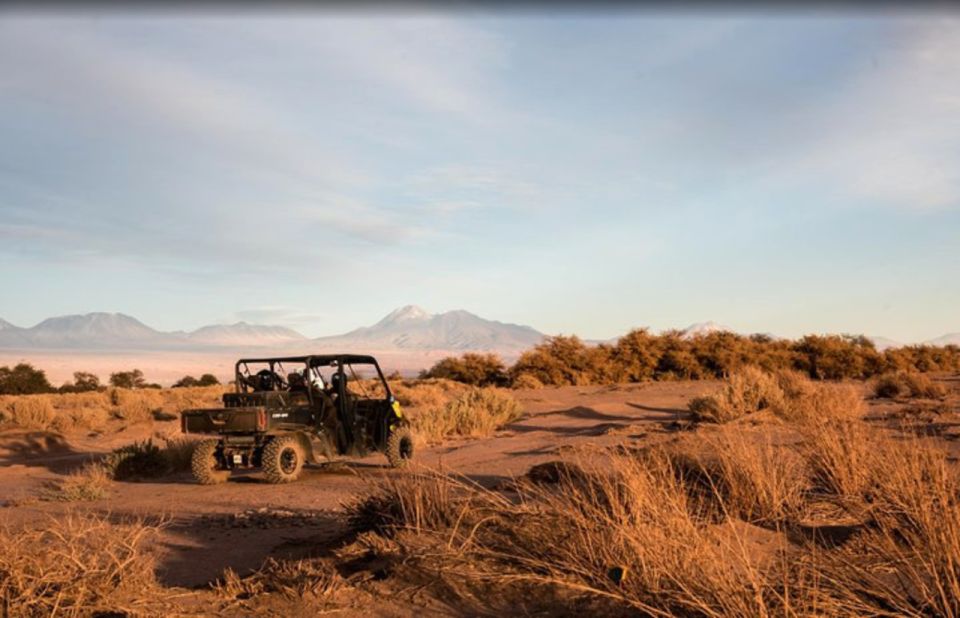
[91, 482]
[478, 412]
[135, 461]
[128, 379]
[135, 405]
[34, 412]
[76, 565]
[787, 394]
[83, 382]
[745, 392]
[471, 368]
[907, 384]
[23, 379]
[186, 382]
[525, 380]
[561, 361]
[144, 460]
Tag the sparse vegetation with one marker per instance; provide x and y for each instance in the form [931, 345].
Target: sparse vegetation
[729, 519]
[90, 482]
[674, 530]
[477, 412]
[908, 385]
[93, 409]
[787, 394]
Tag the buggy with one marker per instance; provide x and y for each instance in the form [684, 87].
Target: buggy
[327, 405]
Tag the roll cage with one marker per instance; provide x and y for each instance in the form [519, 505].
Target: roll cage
[342, 364]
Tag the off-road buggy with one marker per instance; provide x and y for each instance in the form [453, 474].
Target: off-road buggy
[329, 405]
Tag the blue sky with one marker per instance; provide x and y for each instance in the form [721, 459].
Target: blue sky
[581, 173]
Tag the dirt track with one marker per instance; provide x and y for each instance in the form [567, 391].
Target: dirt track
[241, 523]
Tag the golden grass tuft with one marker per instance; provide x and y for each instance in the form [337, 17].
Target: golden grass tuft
[787, 394]
[749, 476]
[745, 392]
[908, 385]
[477, 412]
[90, 482]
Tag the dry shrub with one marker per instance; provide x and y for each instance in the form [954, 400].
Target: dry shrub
[136, 405]
[76, 565]
[31, 412]
[908, 560]
[822, 402]
[296, 580]
[628, 538]
[176, 400]
[908, 385]
[478, 412]
[429, 393]
[90, 482]
[745, 392]
[422, 501]
[748, 476]
[842, 460]
[788, 394]
[526, 381]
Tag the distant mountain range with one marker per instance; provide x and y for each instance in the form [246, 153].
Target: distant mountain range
[407, 329]
[413, 328]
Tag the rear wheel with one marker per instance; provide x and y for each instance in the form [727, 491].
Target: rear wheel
[282, 459]
[205, 464]
[400, 447]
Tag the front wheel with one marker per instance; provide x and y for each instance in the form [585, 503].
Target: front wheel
[282, 459]
[400, 447]
[205, 464]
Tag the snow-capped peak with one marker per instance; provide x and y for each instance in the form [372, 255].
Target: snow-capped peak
[704, 328]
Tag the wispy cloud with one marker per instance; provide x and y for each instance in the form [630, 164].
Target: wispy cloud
[890, 136]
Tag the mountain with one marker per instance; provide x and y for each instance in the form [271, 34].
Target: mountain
[110, 331]
[884, 343]
[413, 328]
[99, 330]
[4, 325]
[243, 334]
[948, 339]
[703, 328]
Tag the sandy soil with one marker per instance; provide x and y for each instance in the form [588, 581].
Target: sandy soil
[241, 523]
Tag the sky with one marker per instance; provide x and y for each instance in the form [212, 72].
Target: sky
[581, 172]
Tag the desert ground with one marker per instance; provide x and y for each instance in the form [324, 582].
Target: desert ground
[225, 533]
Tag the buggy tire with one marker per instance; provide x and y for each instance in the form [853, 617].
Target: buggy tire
[282, 459]
[205, 465]
[400, 447]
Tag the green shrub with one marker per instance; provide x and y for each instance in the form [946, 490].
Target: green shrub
[23, 379]
[138, 460]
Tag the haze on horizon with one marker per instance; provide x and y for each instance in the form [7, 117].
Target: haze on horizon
[581, 173]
